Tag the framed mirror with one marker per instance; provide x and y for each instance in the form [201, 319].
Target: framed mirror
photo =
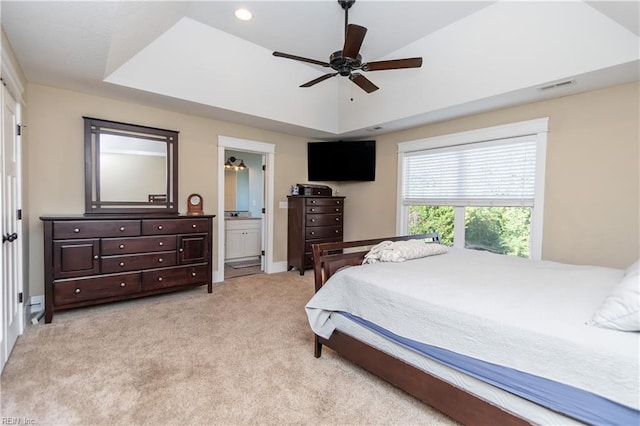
[130, 168]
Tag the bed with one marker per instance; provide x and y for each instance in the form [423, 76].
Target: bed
[484, 338]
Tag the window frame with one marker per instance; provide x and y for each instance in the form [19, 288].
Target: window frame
[536, 127]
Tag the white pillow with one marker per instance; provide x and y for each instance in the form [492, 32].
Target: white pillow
[399, 251]
[621, 309]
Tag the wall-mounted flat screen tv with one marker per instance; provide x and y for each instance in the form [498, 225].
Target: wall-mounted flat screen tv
[341, 161]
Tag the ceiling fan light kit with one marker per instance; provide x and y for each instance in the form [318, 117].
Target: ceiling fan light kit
[348, 60]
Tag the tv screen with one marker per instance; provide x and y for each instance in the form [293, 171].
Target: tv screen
[341, 161]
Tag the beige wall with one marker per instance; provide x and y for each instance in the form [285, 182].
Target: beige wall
[56, 159]
[592, 183]
[592, 189]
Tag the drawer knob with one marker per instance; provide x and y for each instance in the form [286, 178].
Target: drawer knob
[194, 226]
[337, 219]
[337, 209]
[313, 201]
[313, 210]
[313, 220]
[160, 279]
[338, 202]
[159, 227]
[312, 232]
[123, 284]
[161, 243]
[181, 250]
[76, 230]
[122, 228]
[77, 290]
[95, 257]
[193, 274]
[121, 263]
[160, 260]
[121, 246]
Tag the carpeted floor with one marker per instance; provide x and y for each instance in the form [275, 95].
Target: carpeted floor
[241, 355]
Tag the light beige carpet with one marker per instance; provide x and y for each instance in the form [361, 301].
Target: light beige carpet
[241, 355]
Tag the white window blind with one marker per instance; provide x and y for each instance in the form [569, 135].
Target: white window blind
[494, 173]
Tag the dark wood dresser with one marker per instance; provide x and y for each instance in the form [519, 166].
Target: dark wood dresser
[312, 219]
[90, 260]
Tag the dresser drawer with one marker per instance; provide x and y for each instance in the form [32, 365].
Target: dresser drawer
[111, 246]
[323, 201]
[84, 289]
[173, 226]
[316, 232]
[95, 229]
[134, 262]
[323, 219]
[172, 277]
[324, 209]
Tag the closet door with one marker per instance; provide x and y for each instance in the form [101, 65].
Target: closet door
[11, 248]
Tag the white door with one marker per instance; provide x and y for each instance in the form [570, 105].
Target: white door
[10, 249]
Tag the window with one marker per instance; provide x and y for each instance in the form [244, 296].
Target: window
[481, 189]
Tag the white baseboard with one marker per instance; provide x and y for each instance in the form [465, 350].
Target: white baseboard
[278, 267]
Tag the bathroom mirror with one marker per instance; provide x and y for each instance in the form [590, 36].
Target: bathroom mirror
[130, 168]
[236, 190]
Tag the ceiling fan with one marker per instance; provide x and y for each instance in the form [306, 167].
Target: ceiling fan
[348, 60]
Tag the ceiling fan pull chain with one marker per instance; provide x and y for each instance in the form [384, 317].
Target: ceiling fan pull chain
[351, 88]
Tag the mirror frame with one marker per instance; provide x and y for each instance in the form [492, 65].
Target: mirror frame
[93, 128]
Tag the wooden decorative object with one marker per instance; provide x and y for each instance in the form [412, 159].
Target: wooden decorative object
[194, 205]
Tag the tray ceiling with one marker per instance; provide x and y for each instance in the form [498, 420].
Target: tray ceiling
[197, 58]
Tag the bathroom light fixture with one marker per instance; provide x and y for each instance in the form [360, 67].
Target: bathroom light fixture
[230, 164]
[243, 14]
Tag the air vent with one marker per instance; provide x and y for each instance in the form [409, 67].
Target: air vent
[559, 84]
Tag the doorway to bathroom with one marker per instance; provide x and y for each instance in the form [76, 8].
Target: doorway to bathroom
[243, 204]
[245, 188]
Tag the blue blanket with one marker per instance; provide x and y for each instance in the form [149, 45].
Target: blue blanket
[570, 401]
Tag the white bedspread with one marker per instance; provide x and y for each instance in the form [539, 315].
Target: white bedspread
[523, 314]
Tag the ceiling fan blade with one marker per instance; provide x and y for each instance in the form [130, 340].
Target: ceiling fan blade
[363, 82]
[319, 79]
[393, 64]
[353, 40]
[300, 58]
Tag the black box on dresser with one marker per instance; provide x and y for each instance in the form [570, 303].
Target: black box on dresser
[89, 260]
[311, 219]
[309, 189]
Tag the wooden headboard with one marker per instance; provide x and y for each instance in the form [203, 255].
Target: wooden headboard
[329, 257]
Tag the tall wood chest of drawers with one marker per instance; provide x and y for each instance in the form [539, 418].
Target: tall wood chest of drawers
[90, 260]
[312, 219]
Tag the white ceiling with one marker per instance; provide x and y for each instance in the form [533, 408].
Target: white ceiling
[197, 58]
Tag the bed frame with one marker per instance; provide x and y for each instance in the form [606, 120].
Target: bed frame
[451, 400]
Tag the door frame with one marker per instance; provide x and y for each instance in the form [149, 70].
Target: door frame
[268, 152]
[15, 89]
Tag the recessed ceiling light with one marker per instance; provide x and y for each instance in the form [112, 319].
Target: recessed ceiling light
[243, 14]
